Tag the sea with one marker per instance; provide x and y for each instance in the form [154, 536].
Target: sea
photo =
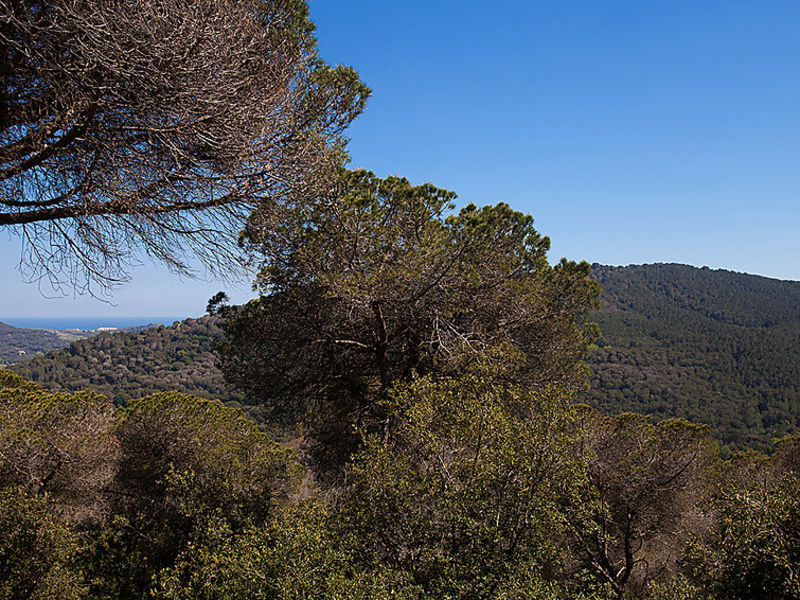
[86, 323]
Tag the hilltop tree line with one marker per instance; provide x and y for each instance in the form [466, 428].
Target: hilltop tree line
[129, 365]
[18, 344]
[662, 353]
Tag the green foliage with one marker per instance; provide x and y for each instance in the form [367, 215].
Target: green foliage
[461, 500]
[645, 491]
[184, 460]
[174, 444]
[787, 457]
[295, 557]
[56, 444]
[710, 346]
[677, 589]
[36, 552]
[11, 381]
[754, 550]
[474, 488]
[464, 495]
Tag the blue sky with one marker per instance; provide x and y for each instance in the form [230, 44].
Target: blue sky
[632, 131]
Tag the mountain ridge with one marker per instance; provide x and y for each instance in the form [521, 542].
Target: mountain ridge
[125, 365]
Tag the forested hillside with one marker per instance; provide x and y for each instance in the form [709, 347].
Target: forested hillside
[18, 344]
[127, 365]
[712, 346]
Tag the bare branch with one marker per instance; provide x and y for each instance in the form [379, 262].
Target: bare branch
[155, 127]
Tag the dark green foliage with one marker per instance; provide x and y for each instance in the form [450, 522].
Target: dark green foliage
[298, 556]
[216, 303]
[753, 552]
[178, 444]
[128, 365]
[711, 346]
[466, 495]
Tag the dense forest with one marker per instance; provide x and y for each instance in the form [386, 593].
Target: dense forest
[480, 490]
[711, 346]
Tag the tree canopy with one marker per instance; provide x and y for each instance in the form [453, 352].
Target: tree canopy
[136, 484]
[644, 492]
[380, 280]
[157, 127]
[480, 489]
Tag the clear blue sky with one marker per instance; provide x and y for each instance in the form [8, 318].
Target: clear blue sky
[660, 131]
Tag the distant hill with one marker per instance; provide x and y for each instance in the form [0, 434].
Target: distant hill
[712, 346]
[18, 344]
[126, 365]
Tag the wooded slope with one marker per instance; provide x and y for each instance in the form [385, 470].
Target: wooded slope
[127, 365]
[712, 346]
[18, 344]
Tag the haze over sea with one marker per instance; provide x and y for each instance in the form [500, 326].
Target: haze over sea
[86, 323]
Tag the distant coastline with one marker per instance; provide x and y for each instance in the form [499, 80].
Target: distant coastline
[86, 323]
